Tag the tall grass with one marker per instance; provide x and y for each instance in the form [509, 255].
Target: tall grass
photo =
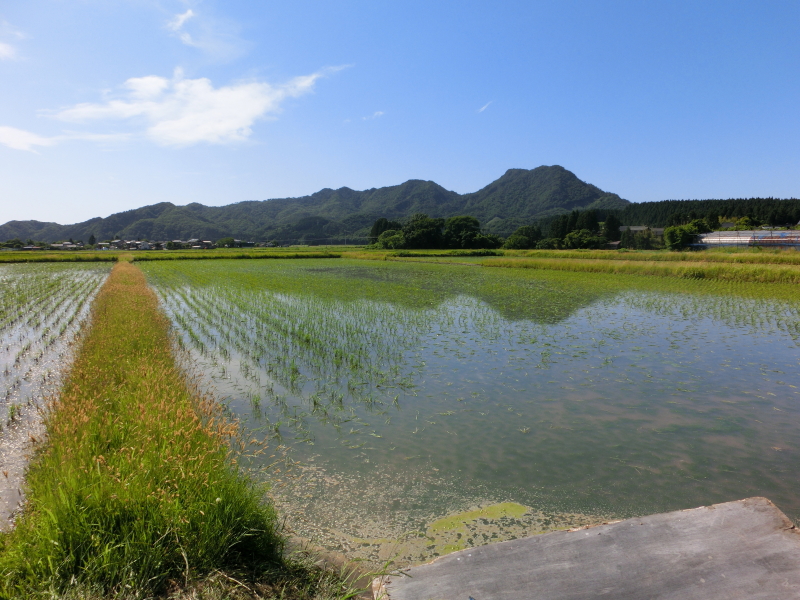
[752, 273]
[35, 256]
[135, 487]
[788, 256]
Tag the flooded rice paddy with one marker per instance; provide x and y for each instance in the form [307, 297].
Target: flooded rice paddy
[434, 407]
[41, 309]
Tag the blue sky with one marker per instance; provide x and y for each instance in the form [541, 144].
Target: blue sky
[111, 105]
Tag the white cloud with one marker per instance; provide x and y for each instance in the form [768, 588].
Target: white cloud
[182, 112]
[485, 106]
[7, 51]
[217, 38]
[176, 25]
[177, 22]
[19, 139]
[375, 115]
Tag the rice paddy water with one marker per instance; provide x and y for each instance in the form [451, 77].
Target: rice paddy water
[41, 309]
[431, 407]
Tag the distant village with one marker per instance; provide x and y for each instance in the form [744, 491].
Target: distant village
[190, 244]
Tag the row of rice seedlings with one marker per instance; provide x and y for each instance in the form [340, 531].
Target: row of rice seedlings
[340, 359]
[42, 306]
[327, 353]
[135, 487]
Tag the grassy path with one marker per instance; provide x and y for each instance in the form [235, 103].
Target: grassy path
[135, 492]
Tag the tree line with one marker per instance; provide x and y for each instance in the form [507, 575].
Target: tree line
[578, 229]
[665, 213]
[682, 220]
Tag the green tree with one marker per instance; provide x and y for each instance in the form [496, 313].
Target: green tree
[583, 239]
[644, 240]
[747, 222]
[381, 225]
[391, 239]
[627, 239]
[92, 240]
[227, 242]
[422, 231]
[524, 237]
[611, 228]
[550, 243]
[587, 220]
[461, 231]
[679, 237]
[700, 226]
[558, 227]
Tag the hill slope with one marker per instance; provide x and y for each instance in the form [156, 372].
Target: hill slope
[520, 196]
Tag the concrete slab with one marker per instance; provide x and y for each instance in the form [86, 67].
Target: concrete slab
[746, 549]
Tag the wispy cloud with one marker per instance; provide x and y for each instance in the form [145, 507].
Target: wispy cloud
[8, 51]
[485, 106]
[175, 112]
[19, 139]
[218, 38]
[375, 115]
[176, 25]
[177, 22]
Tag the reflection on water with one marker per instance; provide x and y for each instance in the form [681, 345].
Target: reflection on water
[403, 409]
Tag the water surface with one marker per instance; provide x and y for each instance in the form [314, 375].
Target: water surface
[409, 392]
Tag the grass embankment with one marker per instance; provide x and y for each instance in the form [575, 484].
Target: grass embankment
[135, 490]
[778, 256]
[751, 273]
[37, 256]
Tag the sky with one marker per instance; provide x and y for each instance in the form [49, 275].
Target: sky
[109, 105]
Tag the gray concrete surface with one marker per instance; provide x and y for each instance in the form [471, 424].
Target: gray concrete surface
[746, 549]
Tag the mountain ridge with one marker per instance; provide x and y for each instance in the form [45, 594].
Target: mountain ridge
[519, 196]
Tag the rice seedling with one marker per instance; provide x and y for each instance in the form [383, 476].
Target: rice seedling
[426, 376]
[134, 488]
[41, 308]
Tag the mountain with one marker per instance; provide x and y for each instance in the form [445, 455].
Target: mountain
[519, 197]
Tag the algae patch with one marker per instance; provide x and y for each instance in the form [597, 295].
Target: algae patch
[493, 511]
[463, 530]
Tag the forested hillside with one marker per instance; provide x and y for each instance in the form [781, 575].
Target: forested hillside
[770, 211]
[519, 197]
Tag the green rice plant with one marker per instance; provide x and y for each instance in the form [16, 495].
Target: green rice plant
[234, 253]
[136, 487]
[41, 306]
